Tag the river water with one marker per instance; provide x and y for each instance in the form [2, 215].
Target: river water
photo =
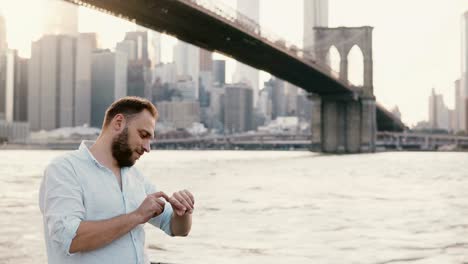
[277, 207]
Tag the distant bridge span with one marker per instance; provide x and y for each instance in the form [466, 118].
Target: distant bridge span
[209, 27]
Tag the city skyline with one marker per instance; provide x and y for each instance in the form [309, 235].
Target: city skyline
[401, 67]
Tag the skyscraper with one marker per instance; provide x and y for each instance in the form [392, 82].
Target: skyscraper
[109, 82]
[315, 15]
[279, 99]
[155, 53]
[244, 73]
[206, 60]
[458, 107]
[135, 46]
[86, 44]
[187, 60]
[238, 110]
[3, 77]
[3, 65]
[61, 18]
[128, 47]
[464, 72]
[3, 40]
[16, 87]
[439, 114]
[51, 82]
[206, 77]
[219, 72]
[140, 39]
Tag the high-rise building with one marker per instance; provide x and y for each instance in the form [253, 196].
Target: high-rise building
[128, 47]
[3, 39]
[290, 91]
[206, 60]
[155, 51]
[185, 87]
[139, 80]
[108, 81]
[140, 39]
[187, 60]
[304, 106]
[206, 77]
[61, 18]
[165, 72]
[464, 72]
[20, 106]
[219, 72]
[3, 77]
[439, 117]
[265, 104]
[85, 46]
[51, 82]
[238, 108]
[245, 73]
[3, 49]
[458, 107]
[215, 112]
[16, 87]
[315, 15]
[180, 114]
[279, 99]
[135, 46]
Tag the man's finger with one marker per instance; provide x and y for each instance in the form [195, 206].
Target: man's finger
[175, 203]
[187, 199]
[161, 194]
[161, 202]
[190, 195]
[182, 200]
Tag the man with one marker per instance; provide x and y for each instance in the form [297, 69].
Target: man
[95, 203]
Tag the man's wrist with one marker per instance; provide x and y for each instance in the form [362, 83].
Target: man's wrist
[136, 218]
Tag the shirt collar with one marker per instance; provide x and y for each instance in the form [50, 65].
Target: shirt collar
[84, 150]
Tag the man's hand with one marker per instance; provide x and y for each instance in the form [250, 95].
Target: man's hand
[182, 202]
[151, 207]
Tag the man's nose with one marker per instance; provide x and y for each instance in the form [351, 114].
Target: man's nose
[146, 146]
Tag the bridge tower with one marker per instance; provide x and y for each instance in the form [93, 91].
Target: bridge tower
[345, 124]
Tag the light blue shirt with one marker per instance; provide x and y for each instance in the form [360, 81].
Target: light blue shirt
[75, 188]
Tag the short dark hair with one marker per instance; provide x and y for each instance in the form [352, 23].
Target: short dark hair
[127, 106]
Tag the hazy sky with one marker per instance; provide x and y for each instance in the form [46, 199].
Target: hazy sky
[416, 42]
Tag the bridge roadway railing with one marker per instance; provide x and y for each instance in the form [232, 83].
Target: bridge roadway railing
[250, 26]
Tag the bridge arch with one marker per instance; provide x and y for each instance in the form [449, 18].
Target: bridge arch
[334, 58]
[356, 66]
[344, 39]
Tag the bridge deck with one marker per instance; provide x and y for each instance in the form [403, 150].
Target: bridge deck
[196, 25]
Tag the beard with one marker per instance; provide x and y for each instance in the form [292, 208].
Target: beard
[121, 150]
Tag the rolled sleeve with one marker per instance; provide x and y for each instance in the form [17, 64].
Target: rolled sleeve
[63, 204]
[163, 221]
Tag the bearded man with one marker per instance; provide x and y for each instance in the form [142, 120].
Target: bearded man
[95, 203]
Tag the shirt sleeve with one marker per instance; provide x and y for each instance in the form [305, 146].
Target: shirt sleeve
[162, 221]
[63, 204]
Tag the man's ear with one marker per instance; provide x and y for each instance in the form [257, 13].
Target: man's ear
[118, 122]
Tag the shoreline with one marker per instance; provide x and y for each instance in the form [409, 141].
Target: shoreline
[259, 147]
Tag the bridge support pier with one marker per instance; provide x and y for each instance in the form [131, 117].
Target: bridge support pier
[348, 126]
[316, 122]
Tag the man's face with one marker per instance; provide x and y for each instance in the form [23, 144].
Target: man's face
[134, 140]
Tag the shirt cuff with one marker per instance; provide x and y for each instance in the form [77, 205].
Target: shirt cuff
[70, 225]
[166, 219]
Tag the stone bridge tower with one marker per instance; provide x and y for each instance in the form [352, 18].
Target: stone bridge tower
[345, 124]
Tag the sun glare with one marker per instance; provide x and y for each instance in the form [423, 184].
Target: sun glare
[24, 20]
